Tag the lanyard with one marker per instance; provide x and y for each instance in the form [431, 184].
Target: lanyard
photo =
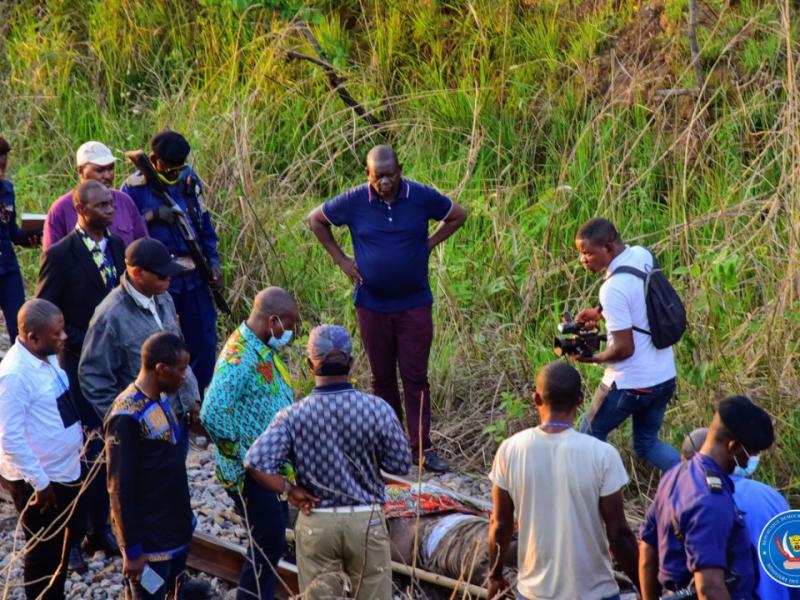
[62, 385]
[556, 424]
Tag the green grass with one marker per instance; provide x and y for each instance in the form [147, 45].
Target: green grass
[503, 104]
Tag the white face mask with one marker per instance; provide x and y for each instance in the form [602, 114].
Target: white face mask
[278, 343]
[749, 468]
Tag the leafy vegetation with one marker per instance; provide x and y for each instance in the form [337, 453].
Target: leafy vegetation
[535, 115]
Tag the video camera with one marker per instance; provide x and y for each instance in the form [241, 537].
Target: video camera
[574, 340]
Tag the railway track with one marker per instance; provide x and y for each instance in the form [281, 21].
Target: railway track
[224, 560]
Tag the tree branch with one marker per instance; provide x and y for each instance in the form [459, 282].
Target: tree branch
[335, 82]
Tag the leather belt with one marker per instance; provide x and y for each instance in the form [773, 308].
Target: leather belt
[350, 509]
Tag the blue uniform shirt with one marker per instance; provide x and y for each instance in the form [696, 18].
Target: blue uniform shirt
[390, 242]
[700, 496]
[10, 232]
[759, 503]
[146, 200]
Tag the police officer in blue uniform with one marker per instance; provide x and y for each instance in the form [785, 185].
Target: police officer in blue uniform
[191, 293]
[694, 541]
[12, 289]
[759, 503]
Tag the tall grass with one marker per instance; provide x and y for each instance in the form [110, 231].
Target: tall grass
[535, 115]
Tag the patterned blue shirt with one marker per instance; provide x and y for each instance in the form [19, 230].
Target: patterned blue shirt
[338, 439]
[250, 386]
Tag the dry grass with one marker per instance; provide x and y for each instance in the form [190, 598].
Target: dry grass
[515, 109]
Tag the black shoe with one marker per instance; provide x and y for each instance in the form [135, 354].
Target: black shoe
[432, 462]
[104, 541]
[193, 589]
[76, 563]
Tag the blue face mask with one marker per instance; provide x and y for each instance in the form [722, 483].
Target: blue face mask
[278, 343]
[749, 469]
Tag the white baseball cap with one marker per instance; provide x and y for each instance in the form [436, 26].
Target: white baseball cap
[95, 153]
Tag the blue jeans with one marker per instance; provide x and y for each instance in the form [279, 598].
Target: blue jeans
[611, 406]
[169, 570]
[267, 518]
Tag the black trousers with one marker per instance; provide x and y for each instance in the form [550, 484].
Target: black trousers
[45, 568]
[267, 518]
[93, 508]
[12, 297]
[91, 516]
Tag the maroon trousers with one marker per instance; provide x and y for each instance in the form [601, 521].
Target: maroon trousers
[401, 339]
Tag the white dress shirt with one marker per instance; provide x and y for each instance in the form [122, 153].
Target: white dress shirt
[146, 302]
[34, 443]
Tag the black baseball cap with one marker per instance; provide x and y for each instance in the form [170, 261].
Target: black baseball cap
[749, 424]
[151, 255]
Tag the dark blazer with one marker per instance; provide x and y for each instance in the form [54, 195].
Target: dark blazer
[69, 279]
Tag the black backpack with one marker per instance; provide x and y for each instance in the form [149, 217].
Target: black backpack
[665, 311]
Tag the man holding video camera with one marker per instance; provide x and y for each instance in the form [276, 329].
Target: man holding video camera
[639, 379]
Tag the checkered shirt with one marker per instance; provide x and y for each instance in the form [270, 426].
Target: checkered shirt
[338, 439]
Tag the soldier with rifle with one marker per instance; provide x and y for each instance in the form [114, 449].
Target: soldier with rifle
[168, 193]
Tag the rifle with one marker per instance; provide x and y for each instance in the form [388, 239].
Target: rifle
[141, 161]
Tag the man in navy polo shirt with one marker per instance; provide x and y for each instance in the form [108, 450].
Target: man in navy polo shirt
[388, 221]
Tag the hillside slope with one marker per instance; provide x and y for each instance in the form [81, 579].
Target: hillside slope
[535, 115]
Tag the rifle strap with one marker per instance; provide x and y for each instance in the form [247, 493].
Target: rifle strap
[190, 185]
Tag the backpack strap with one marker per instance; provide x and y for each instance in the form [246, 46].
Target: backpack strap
[630, 271]
[637, 273]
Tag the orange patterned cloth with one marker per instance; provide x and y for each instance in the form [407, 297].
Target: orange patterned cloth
[407, 500]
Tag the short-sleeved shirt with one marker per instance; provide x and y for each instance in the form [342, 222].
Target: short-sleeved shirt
[699, 495]
[759, 503]
[250, 386]
[337, 439]
[127, 224]
[390, 242]
[556, 481]
[624, 307]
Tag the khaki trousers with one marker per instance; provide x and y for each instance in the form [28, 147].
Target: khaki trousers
[344, 553]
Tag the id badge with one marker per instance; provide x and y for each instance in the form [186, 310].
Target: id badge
[67, 409]
[151, 581]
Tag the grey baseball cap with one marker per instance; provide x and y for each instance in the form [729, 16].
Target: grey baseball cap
[325, 339]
